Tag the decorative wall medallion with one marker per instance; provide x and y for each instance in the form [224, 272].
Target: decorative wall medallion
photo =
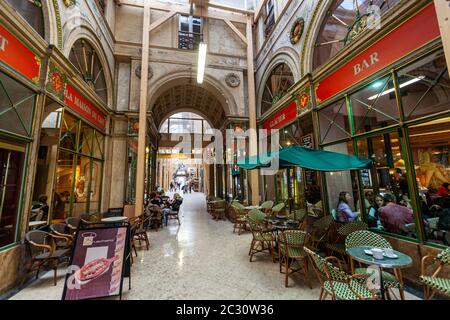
[138, 69]
[297, 30]
[56, 81]
[232, 80]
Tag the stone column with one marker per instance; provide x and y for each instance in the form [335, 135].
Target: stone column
[443, 14]
[140, 172]
[119, 160]
[253, 139]
[153, 170]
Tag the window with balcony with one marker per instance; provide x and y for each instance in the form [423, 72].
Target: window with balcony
[190, 32]
[269, 21]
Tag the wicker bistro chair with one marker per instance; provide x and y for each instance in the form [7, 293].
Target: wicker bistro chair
[277, 209]
[44, 252]
[319, 232]
[370, 239]
[219, 208]
[73, 224]
[263, 240]
[140, 232]
[336, 282]
[62, 231]
[291, 245]
[433, 283]
[240, 220]
[338, 246]
[266, 206]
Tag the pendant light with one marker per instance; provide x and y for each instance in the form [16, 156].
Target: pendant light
[202, 48]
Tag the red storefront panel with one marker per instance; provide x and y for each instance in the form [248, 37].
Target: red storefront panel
[406, 38]
[81, 105]
[16, 55]
[281, 118]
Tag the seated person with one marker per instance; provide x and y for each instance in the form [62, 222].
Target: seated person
[41, 208]
[444, 215]
[443, 190]
[155, 199]
[394, 216]
[344, 212]
[373, 216]
[173, 205]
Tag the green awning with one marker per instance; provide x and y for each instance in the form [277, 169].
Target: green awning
[297, 156]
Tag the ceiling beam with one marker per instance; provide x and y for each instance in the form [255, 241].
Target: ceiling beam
[159, 22]
[236, 31]
[185, 10]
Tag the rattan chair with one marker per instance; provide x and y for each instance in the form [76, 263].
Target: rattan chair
[338, 246]
[433, 283]
[73, 224]
[63, 231]
[240, 220]
[291, 245]
[263, 240]
[44, 252]
[266, 206]
[364, 238]
[140, 232]
[276, 210]
[336, 282]
[319, 232]
[219, 208]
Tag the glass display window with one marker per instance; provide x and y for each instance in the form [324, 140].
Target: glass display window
[425, 86]
[334, 123]
[375, 106]
[430, 148]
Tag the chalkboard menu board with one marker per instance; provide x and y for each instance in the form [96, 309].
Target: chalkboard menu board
[307, 141]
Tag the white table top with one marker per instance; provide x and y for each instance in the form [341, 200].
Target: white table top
[114, 219]
[252, 207]
[36, 223]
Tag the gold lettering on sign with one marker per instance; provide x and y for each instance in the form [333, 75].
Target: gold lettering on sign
[3, 43]
[366, 63]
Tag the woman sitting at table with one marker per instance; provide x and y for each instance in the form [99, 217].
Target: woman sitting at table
[344, 212]
[173, 205]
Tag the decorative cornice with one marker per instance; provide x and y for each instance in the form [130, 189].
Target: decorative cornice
[58, 23]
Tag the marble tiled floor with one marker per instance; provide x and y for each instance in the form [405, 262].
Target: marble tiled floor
[201, 259]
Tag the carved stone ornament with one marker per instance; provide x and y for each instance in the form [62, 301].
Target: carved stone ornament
[138, 69]
[232, 80]
[297, 30]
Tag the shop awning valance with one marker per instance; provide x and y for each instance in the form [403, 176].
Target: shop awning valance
[297, 156]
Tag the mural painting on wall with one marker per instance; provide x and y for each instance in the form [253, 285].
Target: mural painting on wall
[433, 167]
[297, 30]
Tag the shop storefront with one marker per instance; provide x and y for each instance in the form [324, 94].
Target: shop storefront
[71, 150]
[19, 93]
[391, 103]
[296, 187]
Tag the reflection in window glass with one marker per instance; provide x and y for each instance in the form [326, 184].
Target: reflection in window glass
[334, 122]
[31, 11]
[375, 106]
[94, 194]
[82, 180]
[425, 86]
[277, 85]
[11, 169]
[63, 185]
[430, 146]
[69, 131]
[388, 179]
[86, 139]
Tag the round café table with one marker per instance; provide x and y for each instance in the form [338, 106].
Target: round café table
[252, 208]
[401, 261]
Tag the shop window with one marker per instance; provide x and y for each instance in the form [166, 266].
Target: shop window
[16, 106]
[269, 21]
[343, 181]
[46, 164]
[276, 87]
[430, 147]
[95, 188]
[69, 131]
[64, 181]
[84, 57]
[31, 11]
[334, 122]
[82, 181]
[98, 145]
[375, 106]
[11, 170]
[85, 145]
[425, 86]
[343, 23]
[388, 176]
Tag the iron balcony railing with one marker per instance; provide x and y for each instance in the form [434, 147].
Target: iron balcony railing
[189, 40]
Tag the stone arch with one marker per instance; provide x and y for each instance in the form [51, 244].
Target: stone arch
[307, 56]
[160, 85]
[86, 33]
[283, 55]
[171, 113]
